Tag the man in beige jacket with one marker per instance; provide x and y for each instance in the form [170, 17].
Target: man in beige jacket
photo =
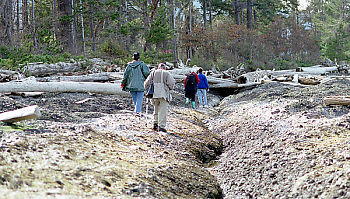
[163, 83]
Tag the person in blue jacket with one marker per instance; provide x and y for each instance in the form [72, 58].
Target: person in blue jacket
[134, 77]
[203, 88]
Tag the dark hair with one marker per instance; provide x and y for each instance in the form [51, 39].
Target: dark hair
[136, 55]
[200, 70]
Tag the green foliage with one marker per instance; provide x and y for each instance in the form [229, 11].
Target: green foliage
[337, 46]
[45, 37]
[156, 56]
[12, 58]
[332, 28]
[132, 27]
[112, 48]
[160, 30]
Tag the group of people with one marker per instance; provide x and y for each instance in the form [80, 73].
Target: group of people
[137, 77]
[196, 84]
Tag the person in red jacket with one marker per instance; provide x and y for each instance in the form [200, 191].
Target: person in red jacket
[191, 86]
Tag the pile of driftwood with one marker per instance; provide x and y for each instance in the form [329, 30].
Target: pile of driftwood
[38, 78]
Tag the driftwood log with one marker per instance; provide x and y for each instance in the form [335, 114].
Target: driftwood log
[26, 113]
[211, 80]
[337, 100]
[48, 69]
[28, 94]
[318, 69]
[96, 77]
[309, 80]
[80, 87]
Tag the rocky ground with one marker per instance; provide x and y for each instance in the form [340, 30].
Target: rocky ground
[281, 141]
[93, 146]
[275, 141]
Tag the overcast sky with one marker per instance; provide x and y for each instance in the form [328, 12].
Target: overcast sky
[303, 4]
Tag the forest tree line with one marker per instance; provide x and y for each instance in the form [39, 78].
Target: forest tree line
[212, 33]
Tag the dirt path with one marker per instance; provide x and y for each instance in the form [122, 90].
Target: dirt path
[100, 149]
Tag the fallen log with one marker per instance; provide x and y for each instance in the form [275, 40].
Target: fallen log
[256, 76]
[26, 113]
[80, 87]
[96, 77]
[48, 69]
[318, 69]
[234, 85]
[211, 80]
[8, 72]
[337, 100]
[309, 80]
[28, 94]
[224, 85]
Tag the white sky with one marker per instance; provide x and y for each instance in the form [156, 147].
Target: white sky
[303, 4]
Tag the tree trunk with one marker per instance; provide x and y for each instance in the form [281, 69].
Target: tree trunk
[210, 17]
[54, 20]
[189, 54]
[25, 16]
[237, 12]
[146, 21]
[175, 35]
[205, 13]
[33, 25]
[74, 34]
[92, 26]
[11, 22]
[249, 14]
[65, 28]
[6, 21]
[82, 27]
[17, 17]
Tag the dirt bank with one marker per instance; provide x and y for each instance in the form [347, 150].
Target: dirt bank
[281, 141]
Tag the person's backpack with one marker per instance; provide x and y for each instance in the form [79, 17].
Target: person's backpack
[191, 83]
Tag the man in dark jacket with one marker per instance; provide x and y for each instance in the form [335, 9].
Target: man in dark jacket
[134, 76]
[191, 85]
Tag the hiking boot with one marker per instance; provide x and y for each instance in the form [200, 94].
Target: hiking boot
[187, 101]
[162, 129]
[138, 115]
[193, 105]
[155, 127]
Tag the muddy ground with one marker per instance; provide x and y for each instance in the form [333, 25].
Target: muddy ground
[273, 141]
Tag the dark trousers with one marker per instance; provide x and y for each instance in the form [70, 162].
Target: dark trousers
[191, 95]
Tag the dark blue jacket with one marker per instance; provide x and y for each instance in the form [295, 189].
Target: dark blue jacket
[203, 82]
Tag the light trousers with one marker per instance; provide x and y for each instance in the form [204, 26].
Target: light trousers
[202, 96]
[160, 111]
[137, 98]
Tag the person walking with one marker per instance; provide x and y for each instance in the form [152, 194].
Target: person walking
[134, 76]
[191, 85]
[203, 88]
[163, 82]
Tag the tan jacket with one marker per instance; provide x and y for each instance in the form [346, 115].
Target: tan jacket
[161, 88]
